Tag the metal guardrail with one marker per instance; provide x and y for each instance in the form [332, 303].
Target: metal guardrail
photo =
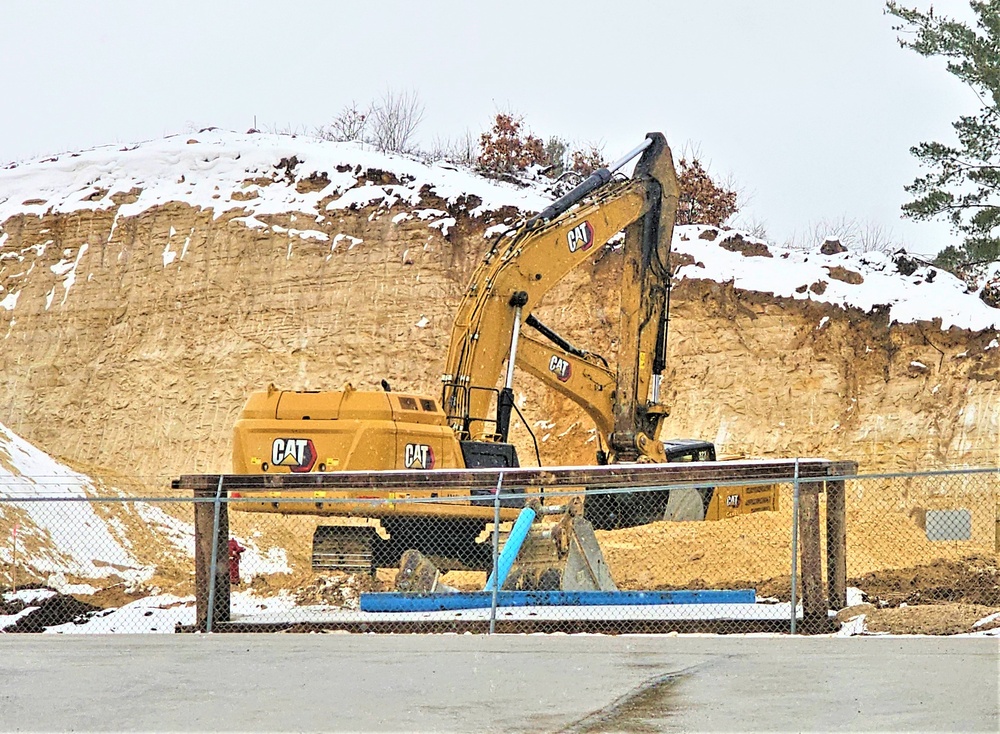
[893, 539]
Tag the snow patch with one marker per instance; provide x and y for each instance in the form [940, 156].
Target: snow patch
[855, 596]
[495, 230]
[342, 237]
[865, 281]
[9, 302]
[987, 620]
[48, 492]
[852, 627]
[168, 255]
[66, 269]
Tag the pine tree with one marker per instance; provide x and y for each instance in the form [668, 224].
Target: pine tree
[555, 156]
[964, 183]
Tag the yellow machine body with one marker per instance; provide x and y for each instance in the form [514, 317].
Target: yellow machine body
[286, 432]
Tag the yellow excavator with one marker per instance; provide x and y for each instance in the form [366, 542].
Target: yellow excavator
[282, 431]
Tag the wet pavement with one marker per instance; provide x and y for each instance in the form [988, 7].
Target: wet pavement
[555, 683]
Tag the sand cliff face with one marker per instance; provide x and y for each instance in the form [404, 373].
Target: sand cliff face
[133, 340]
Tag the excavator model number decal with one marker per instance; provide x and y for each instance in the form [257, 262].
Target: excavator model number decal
[560, 367]
[418, 456]
[581, 237]
[298, 454]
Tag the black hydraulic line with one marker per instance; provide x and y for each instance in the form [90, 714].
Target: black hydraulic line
[505, 402]
[538, 456]
[597, 179]
[594, 181]
[553, 336]
[660, 358]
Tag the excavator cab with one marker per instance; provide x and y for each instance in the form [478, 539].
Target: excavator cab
[688, 449]
[613, 510]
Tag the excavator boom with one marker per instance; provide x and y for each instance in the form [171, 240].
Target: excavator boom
[518, 272]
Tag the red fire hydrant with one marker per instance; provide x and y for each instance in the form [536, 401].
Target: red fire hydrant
[235, 551]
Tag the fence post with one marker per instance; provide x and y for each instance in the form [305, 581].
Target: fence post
[997, 520]
[814, 605]
[795, 543]
[496, 555]
[836, 543]
[211, 535]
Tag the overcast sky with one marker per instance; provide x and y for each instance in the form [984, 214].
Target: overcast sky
[811, 107]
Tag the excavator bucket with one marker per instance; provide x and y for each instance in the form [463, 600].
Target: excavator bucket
[559, 556]
[417, 573]
[564, 556]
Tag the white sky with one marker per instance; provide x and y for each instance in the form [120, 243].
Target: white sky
[811, 107]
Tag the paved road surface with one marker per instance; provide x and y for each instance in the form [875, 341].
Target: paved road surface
[557, 683]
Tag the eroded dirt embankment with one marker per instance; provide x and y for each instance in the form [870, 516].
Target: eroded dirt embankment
[141, 363]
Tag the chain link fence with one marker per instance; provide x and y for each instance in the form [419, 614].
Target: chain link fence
[919, 554]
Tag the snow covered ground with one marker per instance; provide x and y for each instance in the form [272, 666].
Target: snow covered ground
[223, 171]
[66, 535]
[52, 531]
[258, 175]
[925, 294]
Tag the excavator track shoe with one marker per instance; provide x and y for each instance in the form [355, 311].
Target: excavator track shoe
[343, 548]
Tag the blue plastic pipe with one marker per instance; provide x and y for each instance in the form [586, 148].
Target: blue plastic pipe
[510, 549]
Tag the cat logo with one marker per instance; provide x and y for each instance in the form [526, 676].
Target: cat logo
[733, 500]
[560, 367]
[298, 454]
[418, 456]
[581, 237]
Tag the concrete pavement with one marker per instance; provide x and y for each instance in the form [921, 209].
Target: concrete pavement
[555, 683]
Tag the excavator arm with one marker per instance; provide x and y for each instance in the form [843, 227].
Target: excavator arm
[517, 273]
[645, 294]
[529, 266]
[586, 381]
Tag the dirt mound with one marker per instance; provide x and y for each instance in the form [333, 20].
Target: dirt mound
[340, 590]
[970, 580]
[49, 612]
[930, 619]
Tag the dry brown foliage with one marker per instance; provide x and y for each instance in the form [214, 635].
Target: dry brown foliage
[588, 160]
[702, 201]
[505, 148]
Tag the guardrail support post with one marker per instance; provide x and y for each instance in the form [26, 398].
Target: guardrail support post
[836, 543]
[208, 542]
[814, 604]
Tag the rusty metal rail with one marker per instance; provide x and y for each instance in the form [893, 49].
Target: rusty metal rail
[627, 475]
